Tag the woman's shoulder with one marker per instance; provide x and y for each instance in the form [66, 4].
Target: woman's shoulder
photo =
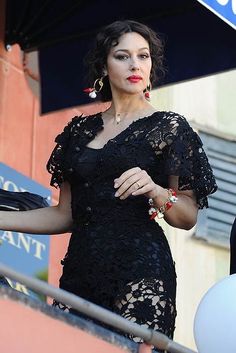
[171, 116]
[81, 121]
[170, 120]
[76, 126]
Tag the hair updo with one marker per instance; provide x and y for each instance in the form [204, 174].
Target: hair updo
[107, 38]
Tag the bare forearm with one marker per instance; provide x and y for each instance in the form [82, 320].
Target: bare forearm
[48, 220]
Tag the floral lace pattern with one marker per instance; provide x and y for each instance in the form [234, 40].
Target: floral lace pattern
[117, 257]
[147, 303]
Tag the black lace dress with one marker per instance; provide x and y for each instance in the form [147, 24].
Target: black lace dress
[117, 257]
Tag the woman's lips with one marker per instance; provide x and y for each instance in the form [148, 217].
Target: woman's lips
[134, 79]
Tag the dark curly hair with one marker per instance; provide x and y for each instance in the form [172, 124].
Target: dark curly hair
[108, 37]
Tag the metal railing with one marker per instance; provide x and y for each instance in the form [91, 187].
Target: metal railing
[149, 336]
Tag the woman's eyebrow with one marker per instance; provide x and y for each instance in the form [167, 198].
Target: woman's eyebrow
[127, 50]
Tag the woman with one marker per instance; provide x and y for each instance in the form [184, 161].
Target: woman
[118, 171]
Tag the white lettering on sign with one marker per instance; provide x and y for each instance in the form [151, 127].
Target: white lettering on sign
[225, 9]
[9, 185]
[234, 6]
[24, 242]
[225, 2]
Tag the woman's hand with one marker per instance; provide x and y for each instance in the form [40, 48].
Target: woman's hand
[135, 181]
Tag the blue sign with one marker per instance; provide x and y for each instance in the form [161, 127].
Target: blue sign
[225, 9]
[26, 253]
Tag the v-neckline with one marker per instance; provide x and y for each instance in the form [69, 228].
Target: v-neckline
[114, 139]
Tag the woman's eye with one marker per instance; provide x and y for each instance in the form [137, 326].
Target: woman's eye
[144, 56]
[122, 57]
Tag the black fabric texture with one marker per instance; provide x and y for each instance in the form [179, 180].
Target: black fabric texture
[117, 257]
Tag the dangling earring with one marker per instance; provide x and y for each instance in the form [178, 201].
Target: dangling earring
[97, 87]
[147, 92]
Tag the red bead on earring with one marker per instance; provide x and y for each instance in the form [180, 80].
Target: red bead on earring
[97, 86]
[91, 92]
[88, 90]
[147, 92]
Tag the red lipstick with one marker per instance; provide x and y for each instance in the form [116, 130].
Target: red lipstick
[134, 78]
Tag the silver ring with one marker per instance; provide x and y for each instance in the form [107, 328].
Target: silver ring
[139, 186]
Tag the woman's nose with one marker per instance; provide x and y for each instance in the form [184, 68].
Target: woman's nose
[134, 65]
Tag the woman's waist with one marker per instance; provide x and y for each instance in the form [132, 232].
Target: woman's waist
[111, 211]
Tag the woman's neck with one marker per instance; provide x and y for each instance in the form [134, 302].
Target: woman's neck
[129, 109]
[128, 104]
[129, 114]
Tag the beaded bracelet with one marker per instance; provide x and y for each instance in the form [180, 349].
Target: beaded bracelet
[159, 212]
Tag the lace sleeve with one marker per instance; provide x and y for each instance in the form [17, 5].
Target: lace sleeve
[184, 156]
[57, 162]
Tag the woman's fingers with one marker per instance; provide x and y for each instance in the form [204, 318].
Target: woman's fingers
[127, 174]
[132, 181]
[124, 194]
[141, 191]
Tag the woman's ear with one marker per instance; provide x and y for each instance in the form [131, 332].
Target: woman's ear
[104, 72]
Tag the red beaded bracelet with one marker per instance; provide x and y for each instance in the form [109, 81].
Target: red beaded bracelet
[159, 212]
